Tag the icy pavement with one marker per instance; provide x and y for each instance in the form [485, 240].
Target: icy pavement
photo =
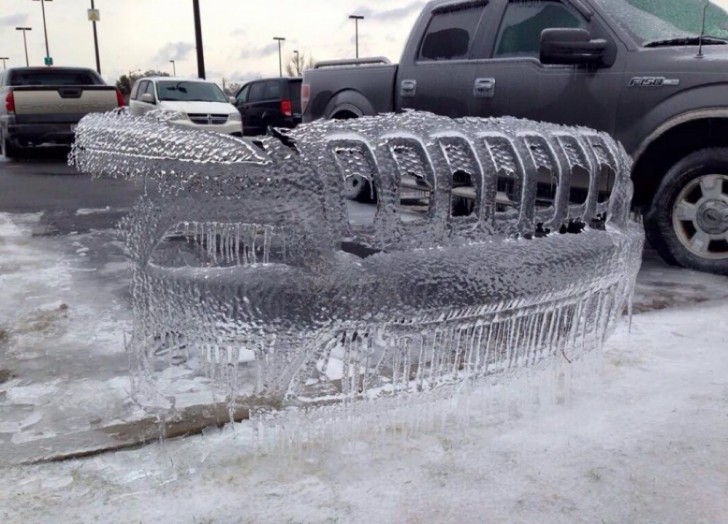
[646, 440]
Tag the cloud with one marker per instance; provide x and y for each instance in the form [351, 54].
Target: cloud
[173, 51]
[14, 20]
[259, 52]
[389, 15]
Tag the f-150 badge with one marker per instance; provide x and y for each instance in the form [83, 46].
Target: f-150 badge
[653, 81]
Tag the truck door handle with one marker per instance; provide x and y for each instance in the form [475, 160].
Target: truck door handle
[408, 88]
[484, 88]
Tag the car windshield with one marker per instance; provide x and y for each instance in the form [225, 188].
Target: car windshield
[669, 22]
[181, 91]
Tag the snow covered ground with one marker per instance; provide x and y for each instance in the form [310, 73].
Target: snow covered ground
[643, 438]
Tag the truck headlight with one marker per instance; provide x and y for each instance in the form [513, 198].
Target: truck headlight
[234, 117]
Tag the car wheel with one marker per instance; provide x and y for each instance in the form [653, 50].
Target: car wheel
[687, 222]
[358, 188]
[8, 151]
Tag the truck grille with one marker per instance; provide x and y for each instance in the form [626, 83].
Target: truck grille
[207, 119]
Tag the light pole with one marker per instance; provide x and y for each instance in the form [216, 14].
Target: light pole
[174, 68]
[198, 39]
[48, 60]
[3, 58]
[25, 42]
[356, 19]
[280, 60]
[93, 15]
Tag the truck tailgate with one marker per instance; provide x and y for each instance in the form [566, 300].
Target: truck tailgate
[61, 104]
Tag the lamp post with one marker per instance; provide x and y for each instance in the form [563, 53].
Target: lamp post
[25, 42]
[3, 58]
[174, 68]
[48, 60]
[198, 39]
[93, 15]
[280, 60]
[356, 19]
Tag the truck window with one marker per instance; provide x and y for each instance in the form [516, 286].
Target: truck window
[54, 77]
[523, 22]
[451, 30]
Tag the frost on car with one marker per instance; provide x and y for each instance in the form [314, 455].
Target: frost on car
[491, 244]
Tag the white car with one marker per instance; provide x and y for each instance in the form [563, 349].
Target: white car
[199, 103]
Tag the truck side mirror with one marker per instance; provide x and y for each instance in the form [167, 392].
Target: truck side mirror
[148, 98]
[571, 46]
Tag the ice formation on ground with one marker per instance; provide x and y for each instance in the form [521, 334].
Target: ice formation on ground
[489, 245]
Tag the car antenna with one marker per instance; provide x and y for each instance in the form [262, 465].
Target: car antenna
[702, 31]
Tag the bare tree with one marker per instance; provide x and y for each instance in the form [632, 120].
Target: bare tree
[298, 63]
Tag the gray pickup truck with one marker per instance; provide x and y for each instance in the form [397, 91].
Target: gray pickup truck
[43, 105]
[653, 74]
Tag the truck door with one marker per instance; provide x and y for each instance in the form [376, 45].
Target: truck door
[436, 72]
[519, 84]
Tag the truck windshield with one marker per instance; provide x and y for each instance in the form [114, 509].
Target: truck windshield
[669, 22]
[181, 91]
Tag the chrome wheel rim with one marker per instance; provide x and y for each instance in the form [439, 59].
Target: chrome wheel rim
[700, 217]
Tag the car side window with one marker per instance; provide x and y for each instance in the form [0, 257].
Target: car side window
[150, 89]
[242, 96]
[257, 92]
[451, 31]
[272, 90]
[141, 89]
[523, 22]
[134, 91]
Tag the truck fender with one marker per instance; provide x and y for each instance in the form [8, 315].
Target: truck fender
[349, 101]
[676, 111]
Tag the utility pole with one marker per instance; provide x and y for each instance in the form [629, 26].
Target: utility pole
[3, 58]
[198, 39]
[93, 16]
[298, 66]
[48, 59]
[174, 68]
[280, 60]
[356, 19]
[25, 42]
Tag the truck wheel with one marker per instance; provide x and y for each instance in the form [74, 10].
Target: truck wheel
[687, 222]
[357, 188]
[6, 148]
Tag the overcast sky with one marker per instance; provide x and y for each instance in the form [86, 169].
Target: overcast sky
[237, 34]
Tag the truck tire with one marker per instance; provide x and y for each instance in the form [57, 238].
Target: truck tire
[687, 222]
[6, 148]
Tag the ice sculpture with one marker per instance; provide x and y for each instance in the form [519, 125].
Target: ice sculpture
[489, 245]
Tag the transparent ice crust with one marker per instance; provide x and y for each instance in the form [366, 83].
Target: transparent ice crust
[489, 245]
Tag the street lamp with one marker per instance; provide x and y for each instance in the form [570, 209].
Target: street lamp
[198, 38]
[280, 60]
[48, 60]
[3, 58]
[25, 42]
[174, 68]
[93, 16]
[356, 19]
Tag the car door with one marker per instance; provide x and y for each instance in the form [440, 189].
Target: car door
[240, 100]
[148, 88]
[252, 110]
[438, 74]
[520, 85]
